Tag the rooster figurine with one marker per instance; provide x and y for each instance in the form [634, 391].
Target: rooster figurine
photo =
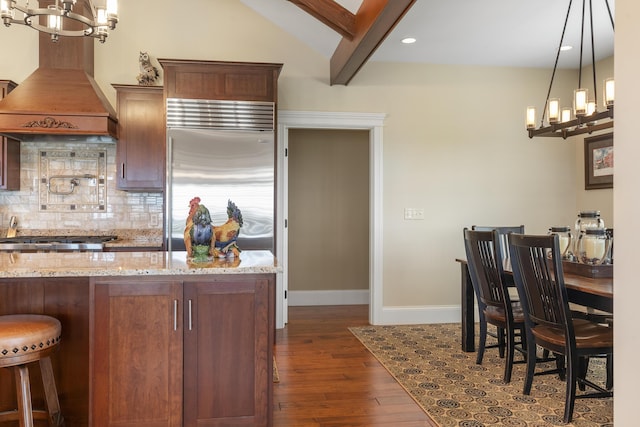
[225, 235]
[198, 232]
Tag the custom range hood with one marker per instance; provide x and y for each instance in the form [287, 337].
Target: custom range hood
[60, 100]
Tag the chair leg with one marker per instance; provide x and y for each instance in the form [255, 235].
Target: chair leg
[531, 363]
[609, 382]
[570, 397]
[583, 367]
[51, 393]
[501, 342]
[560, 365]
[508, 363]
[23, 390]
[483, 340]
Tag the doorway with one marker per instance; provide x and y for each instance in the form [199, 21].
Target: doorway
[328, 221]
[322, 120]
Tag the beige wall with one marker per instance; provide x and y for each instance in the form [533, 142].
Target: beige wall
[454, 139]
[626, 208]
[328, 209]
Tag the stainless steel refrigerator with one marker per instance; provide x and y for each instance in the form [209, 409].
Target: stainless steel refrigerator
[217, 166]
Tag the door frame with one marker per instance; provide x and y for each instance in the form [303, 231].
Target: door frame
[373, 122]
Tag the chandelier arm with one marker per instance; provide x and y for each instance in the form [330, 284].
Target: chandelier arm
[92, 28]
[593, 55]
[577, 126]
[30, 13]
[92, 7]
[610, 15]
[555, 65]
[48, 12]
[581, 46]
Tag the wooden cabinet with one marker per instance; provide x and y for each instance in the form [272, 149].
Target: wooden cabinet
[220, 80]
[9, 151]
[137, 354]
[140, 152]
[183, 353]
[228, 357]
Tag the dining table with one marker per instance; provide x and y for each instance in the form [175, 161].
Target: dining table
[593, 292]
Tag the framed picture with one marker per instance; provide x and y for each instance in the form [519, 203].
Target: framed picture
[598, 162]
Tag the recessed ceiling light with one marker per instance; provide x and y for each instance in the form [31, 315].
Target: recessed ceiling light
[566, 47]
[408, 40]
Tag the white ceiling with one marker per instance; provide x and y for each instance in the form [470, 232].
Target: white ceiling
[519, 33]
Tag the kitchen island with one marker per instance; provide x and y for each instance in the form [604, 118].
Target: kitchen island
[151, 338]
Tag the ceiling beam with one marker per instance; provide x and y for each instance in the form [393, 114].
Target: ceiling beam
[331, 14]
[374, 21]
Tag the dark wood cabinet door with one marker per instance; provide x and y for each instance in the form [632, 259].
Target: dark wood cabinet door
[228, 352]
[9, 151]
[137, 354]
[141, 146]
[245, 81]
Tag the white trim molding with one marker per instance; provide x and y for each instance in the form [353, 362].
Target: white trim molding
[332, 120]
[332, 297]
[420, 315]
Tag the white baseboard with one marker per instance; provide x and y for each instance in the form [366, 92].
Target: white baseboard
[348, 297]
[420, 315]
[414, 315]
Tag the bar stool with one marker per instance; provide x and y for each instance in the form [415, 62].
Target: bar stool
[27, 338]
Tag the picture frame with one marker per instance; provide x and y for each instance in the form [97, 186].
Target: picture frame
[598, 162]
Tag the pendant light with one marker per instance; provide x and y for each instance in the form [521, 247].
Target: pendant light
[586, 117]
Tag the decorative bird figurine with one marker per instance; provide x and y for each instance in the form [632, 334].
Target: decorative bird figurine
[198, 231]
[226, 235]
[148, 73]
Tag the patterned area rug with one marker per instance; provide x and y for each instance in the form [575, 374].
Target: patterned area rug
[428, 362]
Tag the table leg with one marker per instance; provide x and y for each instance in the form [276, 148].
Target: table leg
[468, 321]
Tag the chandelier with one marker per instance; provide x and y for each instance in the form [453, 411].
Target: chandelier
[61, 19]
[584, 117]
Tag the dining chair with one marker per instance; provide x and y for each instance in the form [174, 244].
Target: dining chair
[502, 231]
[548, 320]
[484, 258]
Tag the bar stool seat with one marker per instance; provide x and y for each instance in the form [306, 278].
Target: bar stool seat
[27, 338]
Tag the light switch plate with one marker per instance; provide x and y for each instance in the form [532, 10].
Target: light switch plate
[413, 213]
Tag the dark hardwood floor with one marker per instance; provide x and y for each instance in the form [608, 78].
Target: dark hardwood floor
[329, 379]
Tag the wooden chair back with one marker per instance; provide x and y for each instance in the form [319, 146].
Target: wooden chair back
[484, 258]
[503, 231]
[540, 281]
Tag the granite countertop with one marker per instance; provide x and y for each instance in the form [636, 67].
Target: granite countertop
[88, 264]
[126, 238]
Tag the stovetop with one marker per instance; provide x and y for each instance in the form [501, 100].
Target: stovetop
[54, 243]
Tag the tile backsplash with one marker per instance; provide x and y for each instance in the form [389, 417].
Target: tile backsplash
[87, 171]
[73, 180]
